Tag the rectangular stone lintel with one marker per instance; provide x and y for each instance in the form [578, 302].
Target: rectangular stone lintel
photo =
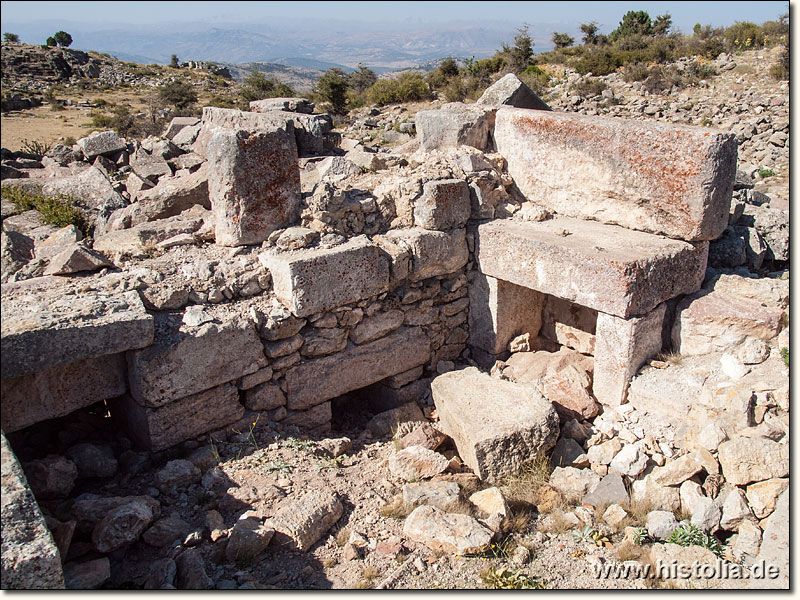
[311, 281]
[621, 347]
[321, 379]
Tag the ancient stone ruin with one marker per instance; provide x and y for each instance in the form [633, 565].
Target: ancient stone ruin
[277, 279]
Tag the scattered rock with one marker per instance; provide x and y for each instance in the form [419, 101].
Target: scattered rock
[452, 533]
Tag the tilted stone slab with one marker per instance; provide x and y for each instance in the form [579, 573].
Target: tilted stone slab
[46, 328]
[30, 559]
[185, 361]
[316, 381]
[60, 390]
[310, 281]
[512, 91]
[253, 183]
[454, 125]
[604, 267]
[669, 179]
[182, 419]
[496, 425]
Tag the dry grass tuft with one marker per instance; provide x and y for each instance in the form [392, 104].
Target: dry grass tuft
[342, 536]
[637, 512]
[524, 486]
[395, 508]
[673, 358]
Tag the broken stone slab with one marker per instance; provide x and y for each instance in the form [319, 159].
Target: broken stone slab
[315, 381]
[661, 497]
[454, 125]
[746, 460]
[702, 561]
[622, 346]
[432, 253]
[187, 136]
[496, 425]
[773, 225]
[248, 539]
[661, 178]
[767, 291]
[762, 496]
[76, 258]
[178, 123]
[452, 533]
[294, 105]
[16, 250]
[29, 558]
[315, 280]
[182, 419]
[89, 575]
[310, 132]
[715, 321]
[101, 143]
[445, 495]
[56, 242]
[122, 526]
[182, 361]
[43, 329]
[166, 530]
[612, 270]
[509, 90]
[150, 167]
[775, 546]
[138, 240]
[301, 523]
[317, 418]
[568, 453]
[415, 463]
[90, 189]
[444, 204]
[610, 490]
[253, 184]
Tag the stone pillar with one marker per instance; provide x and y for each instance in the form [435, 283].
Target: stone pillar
[499, 311]
[621, 348]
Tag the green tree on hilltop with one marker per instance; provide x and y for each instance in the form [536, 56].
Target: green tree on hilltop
[62, 38]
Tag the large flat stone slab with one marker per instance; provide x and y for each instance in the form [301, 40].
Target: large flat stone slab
[496, 425]
[46, 328]
[661, 178]
[604, 267]
[60, 390]
[185, 360]
[316, 381]
[454, 125]
[230, 118]
[30, 559]
[315, 280]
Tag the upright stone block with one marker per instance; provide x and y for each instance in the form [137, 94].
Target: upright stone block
[314, 280]
[499, 311]
[253, 184]
[510, 90]
[229, 118]
[445, 204]
[602, 267]
[432, 252]
[454, 125]
[315, 381]
[30, 559]
[622, 346]
[661, 178]
[497, 425]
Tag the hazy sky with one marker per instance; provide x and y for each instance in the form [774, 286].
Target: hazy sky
[607, 14]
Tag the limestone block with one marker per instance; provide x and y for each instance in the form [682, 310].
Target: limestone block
[775, 546]
[170, 197]
[610, 269]
[300, 524]
[101, 143]
[511, 91]
[60, 390]
[315, 381]
[454, 125]
[181, 419]
[44, 328]
[178, 123]
[622, 346]
[661, 178]
[496, 425]
[30, 558]
[445, 204]
[138, 239]
[319, 279]
[432, 252]
[716, 321]
[229, 118]
[445, 532]
[745, 460]
[316, 417]
[295, 105]
[569, 324]
[253, 184]
[377, 326]
[499, 311]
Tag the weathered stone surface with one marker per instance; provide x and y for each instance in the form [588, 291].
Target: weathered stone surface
[178, 123]
[265, 396]
[101, 143]
[315, 280]
[499, 311]
[773, 225]
[74, 259]
[660, 497]
[454, 125]
[384, 423]
[496, 425]
[166, 530]
[727, 251]
[324, 341]
[444, 205]
[316, 417]
[610, 490]
[295, 105]
[41, 330]
[660, 524]
[569, 324]
[122, 526]
[253, 184]
[162, 575]
[677, 471]
[150, 167]
[137, 240]
[622, 346]
[228, 118]
[176, 474]
[432, 252]
[509, 90]
[296, 238]
[762, 495]
[181, 419]
[16, 250]
[88, 575]
[655, 177]
[310, 132]
[632, 273]
[192, 571]
[445, 495]
[715, 321]
[775, 545]
[30, 559]
[248, 539]
[60, 390]
[698, 560]
[770, 292]
[93, 460]
[735, 509]
[321, 379]
[491, 502]
[451, 533]
[416, 462]
[377, 326]
[745, 459]
[568, 453]
[57, 241]
[89, 188]
[630, 461]
[182, 362]
[300, 524]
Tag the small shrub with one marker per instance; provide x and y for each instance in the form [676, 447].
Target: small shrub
[408, 87]
[785, 355]
[589, 88]
[59, 211]
[35, 148]
[635, 72]
[535, 78]
[10, 37]
[455, 91]
[764, 173]
[179, 94]
[503, 578]
[70, 141]
[691, 535]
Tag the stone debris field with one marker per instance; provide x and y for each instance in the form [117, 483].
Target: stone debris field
[520, 347]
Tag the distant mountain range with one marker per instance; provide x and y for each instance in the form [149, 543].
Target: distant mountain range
[309, 44]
